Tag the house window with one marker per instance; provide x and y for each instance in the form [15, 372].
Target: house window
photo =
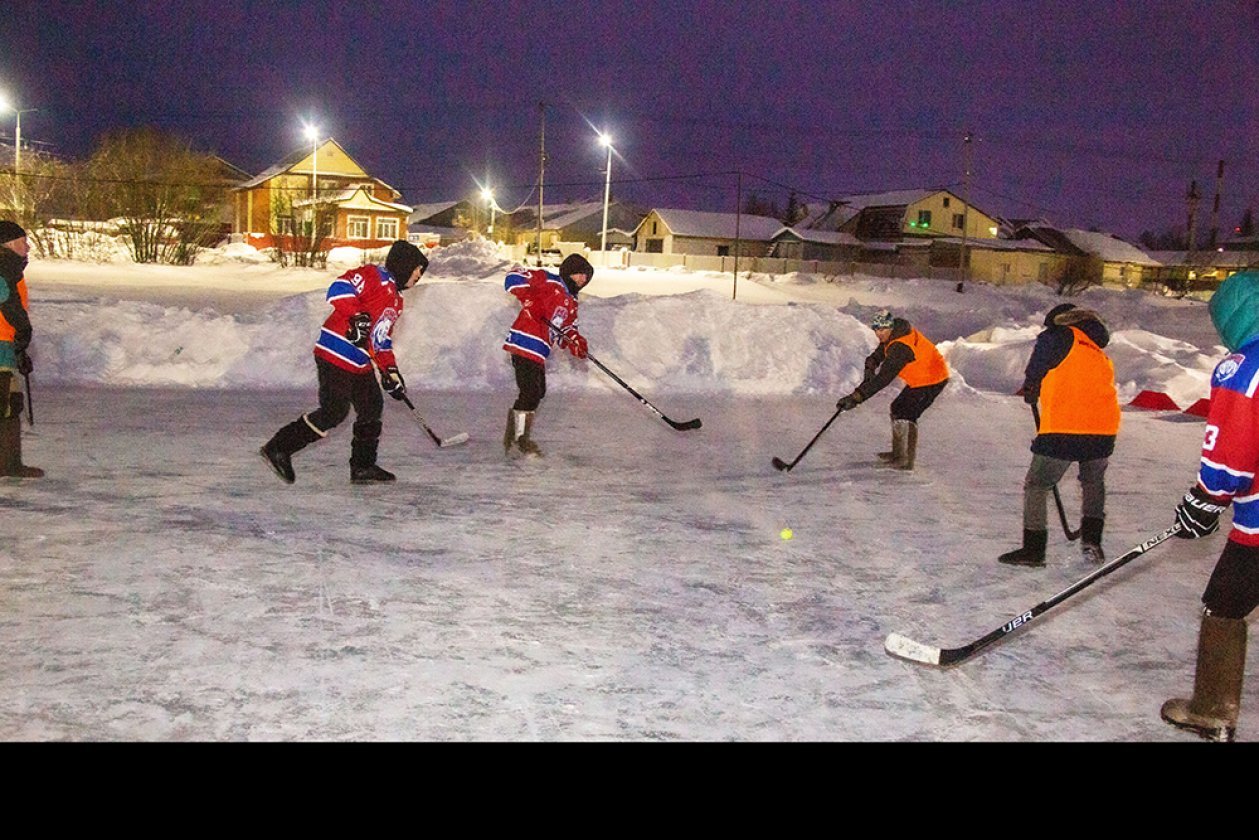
[946, 201]
[653, 229]
[1042, 272]
[386, 228]
[958, 220]
[655, 246]
[356, 227]
[723, 250]
[924, 219]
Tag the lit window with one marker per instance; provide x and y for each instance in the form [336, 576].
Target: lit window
[356, 227]
[924, 218]
[386, 228]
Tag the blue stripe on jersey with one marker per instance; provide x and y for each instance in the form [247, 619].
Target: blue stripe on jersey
[532, 345]
[515, 280]
[341, 289]
[338, 346]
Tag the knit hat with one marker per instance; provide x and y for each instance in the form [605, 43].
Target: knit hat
[10, 231]
[403, 259]
[576, 264]
[1056, 311]
[881, 321]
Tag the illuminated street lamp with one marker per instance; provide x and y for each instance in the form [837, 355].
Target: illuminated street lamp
[312, 134]
[488, 195]
[5, 105]
[606, 140]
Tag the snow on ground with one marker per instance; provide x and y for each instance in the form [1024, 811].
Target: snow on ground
[163, 585]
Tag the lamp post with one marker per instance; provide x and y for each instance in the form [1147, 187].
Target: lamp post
[312, 134]
[5, 105]
[606, 140]
[488, 195]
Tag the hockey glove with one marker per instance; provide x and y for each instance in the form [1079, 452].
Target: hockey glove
[359, 330]
[391, 382]
[1197, 515]
[1031, 393]
[849, 402]
[24, 364]
[576, 343]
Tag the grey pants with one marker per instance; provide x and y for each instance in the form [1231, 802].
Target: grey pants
[1045, 472]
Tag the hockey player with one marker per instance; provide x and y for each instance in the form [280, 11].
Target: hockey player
[15, 339]
[907, 353]
[366, 303]
[548, 313]
[1226, 475]
[1074, 380]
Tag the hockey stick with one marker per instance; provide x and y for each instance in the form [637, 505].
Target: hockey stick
[907, 648]
[780, 464]
[30, 409]
[681, 427]
[453, 440]
[1072, 536]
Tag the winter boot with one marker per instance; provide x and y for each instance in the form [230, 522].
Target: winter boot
[890, 455]
[904, 444]
[1031, 554]
[278, 452]
[363, 468]
[509, 436]
[1217, 686]
[1091, 539]
[523, 430]
[11, 450]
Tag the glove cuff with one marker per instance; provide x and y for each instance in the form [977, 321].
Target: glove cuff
[1198, 499]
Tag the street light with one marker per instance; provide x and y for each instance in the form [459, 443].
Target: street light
[606, 139]
[312, 134]
[5, 105]
[488, 195]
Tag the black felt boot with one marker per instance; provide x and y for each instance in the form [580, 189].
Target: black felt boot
[1031, 554]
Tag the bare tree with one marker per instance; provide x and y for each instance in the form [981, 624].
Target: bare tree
[301, 227]
[168, 199]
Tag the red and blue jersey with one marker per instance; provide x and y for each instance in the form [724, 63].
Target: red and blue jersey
[1230, 449]
[369, 289]
[545, 303]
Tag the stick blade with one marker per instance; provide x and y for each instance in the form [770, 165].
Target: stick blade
[780, 464]
[687, 426]
[454, 440]
[906, 648]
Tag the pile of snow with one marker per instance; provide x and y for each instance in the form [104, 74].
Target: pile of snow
[664, 330]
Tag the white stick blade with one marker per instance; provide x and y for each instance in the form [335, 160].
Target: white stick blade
[907, 648]
[455, 440]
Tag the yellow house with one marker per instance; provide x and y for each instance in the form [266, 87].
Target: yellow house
[366, 211]
[901, 214]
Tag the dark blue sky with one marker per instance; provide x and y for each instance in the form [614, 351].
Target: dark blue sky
[1084, 111]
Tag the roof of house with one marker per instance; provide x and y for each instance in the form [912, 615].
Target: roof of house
[347, 195]
[428, 211]
[297, 157]
[1107, 247]
[823, 237]
[706, 225]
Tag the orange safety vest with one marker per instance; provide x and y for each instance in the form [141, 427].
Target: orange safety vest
[928, 366]
[1078, 397]
[6, 329]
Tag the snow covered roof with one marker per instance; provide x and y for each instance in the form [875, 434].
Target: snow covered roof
[999, 244]
[420, 212]
[824, 237]
[706, 225]
[1107, 247]
[352, 197]
[570, 214]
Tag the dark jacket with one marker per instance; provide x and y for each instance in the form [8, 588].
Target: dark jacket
[12, 267]
[1052, 347]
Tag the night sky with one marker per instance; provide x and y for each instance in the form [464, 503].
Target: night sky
[1086, 112]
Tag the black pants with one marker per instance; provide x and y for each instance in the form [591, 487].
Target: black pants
[912, 402]
[1233, 590]
[339, 390]
[531, 382]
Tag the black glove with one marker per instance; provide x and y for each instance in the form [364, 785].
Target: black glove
[1197, 515]
[24, 364]
[849, 402]
[359, 330]
[392, 382]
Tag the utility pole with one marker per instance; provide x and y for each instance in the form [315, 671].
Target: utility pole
[962, 266]
[541, 173]
[1215, 210]
[738, 217]
[1192, 200]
